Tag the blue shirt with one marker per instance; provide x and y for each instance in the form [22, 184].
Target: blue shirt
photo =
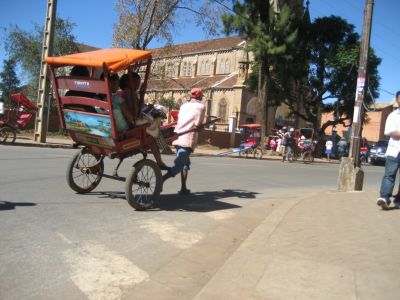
[119, 118]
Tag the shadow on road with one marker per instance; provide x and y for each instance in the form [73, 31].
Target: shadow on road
[6, 205]
[198, 202]
[202, 201]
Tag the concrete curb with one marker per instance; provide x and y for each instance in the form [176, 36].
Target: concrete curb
[196, 154]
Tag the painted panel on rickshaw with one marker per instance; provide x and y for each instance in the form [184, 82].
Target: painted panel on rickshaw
[88, 123]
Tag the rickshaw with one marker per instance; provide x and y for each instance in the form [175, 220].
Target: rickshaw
[96, 132]
[20, 111]
[252, 145]
[303, 146]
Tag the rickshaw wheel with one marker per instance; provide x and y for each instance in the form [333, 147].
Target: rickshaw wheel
[307, 157]
[7, 135]
[242, 153]
[258, 153]
[143, 185]
[85, 171]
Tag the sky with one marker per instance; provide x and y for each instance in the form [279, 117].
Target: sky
[94, 21]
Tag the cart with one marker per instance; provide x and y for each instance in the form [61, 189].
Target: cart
[252, 145]
[96, 132]
[20, 111]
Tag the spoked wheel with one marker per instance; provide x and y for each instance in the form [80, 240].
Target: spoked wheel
[143, 185]
[85, 171]
[307, 157]
[258, 153]
[242, 153]
[7, 135]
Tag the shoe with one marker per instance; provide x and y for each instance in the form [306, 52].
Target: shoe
[184, 192]
[383, 203]
[396, 204]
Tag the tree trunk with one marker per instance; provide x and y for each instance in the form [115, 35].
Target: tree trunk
[262, 95]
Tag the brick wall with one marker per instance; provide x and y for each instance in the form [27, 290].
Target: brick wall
[219, 139]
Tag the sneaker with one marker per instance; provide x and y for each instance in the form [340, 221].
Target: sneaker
[383, 203]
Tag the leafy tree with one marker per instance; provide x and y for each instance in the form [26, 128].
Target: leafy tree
[25, 47]
[271, 36]
[334, 49]
[9, 81]
[169, 103]
[140, 22]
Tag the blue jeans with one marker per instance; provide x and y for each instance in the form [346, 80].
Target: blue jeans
[388, 180]
[181, 162]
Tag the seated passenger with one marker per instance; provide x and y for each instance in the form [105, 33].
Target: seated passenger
[122, 116]
[131, 97]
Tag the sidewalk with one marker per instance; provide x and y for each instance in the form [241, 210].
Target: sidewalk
[67, 143]
[323, 246]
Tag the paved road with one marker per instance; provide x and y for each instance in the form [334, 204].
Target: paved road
[55, 242]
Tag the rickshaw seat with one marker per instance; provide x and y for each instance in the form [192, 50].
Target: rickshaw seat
[23, 119]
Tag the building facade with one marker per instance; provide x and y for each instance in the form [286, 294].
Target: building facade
[219, 67]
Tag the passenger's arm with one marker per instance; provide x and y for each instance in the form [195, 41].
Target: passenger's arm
[126, 112]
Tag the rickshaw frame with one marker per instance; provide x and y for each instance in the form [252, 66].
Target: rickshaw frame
[141, 192]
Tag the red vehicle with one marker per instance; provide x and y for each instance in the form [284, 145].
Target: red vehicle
[303, 146]
[89, 119]
[252, 144]
[19, 113]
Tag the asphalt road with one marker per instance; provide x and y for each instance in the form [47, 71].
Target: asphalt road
[55, 244]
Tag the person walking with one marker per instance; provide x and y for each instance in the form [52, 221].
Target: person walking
[392, 129]
[289, 141]
[328, 149]
[191, 116]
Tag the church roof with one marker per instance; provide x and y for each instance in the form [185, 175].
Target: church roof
[226, 43]
[186, 83]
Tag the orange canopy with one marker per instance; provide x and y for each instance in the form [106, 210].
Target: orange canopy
[114, 59]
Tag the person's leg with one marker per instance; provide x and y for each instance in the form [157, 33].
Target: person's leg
[184, 174]
[157, 155]
[388, 180]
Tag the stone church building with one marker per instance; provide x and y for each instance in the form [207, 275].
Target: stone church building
[219, 67]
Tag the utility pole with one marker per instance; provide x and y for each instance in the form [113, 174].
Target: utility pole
[44, 82]
[351, 176]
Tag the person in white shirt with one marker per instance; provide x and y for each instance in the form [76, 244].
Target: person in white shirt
[328, 149]
[1, 108]
[392, 129]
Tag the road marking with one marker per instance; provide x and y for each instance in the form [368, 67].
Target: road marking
[100, 273]
[219, 215]
[171, 232]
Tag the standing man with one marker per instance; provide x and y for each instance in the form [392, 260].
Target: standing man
[191, 116]
[328, 149]
[392, 129]
[1, 108]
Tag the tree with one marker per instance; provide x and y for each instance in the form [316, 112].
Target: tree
[9, 81]
[332, 74]
[25, 47]
[271, 36]
[140, 22]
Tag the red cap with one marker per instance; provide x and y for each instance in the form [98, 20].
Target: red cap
[196, 93]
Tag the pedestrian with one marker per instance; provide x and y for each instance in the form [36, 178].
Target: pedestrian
[191, 116]
[1, 108]
[328, 149]
[289, 141]
[283, 144]
[342, 148]
[392, 129]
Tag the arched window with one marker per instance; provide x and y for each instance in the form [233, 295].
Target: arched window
[207, 68]
[170, 70]
[222, 110]
[221, 67]
[227, 66]
[184, 69]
